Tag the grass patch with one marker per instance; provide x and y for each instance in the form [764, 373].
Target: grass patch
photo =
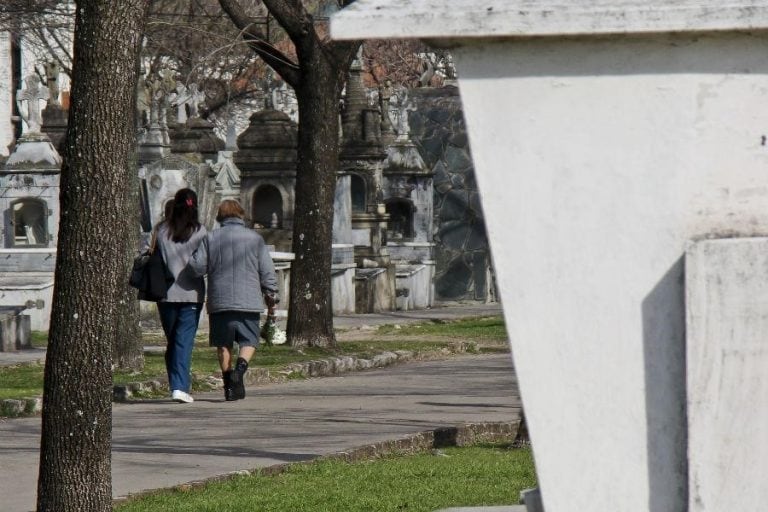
[21, 381]
[39, 339]
[477, 329]
[470, 476]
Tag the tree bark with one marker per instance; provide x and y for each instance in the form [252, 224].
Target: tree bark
[318, 79]
[96, 216]
[310, 315]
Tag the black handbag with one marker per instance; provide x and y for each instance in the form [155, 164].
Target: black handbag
[150, 275]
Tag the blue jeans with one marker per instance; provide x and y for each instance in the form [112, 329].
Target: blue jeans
[179, 321]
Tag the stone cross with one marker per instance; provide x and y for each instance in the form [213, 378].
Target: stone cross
[33, 93]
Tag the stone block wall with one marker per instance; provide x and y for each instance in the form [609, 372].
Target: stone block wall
[463, 259]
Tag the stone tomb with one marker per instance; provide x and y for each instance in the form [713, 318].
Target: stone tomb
[606, 137]
[29, 202]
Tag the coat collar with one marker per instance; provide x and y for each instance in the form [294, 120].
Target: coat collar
[232, 221]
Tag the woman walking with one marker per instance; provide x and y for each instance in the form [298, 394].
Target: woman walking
[241, 281]
[177, 237]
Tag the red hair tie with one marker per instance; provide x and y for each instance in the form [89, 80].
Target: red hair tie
[190, 202]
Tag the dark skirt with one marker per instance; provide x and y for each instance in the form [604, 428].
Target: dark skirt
[228, 327]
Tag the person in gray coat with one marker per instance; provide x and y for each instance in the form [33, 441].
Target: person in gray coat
[241, 283]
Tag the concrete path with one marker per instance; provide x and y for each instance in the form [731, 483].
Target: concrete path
[159, 443]
[453, 311]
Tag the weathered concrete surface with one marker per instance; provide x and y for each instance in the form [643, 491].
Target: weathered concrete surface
[381, 19]
[727, 322]
[159, 443]
[598, 158]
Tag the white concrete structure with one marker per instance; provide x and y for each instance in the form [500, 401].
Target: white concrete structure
[727, 311]
[606, 135]
[6, 94]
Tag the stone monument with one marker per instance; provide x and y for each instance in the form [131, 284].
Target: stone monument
[608, 137]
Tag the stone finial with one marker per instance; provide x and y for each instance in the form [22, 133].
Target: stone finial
[273, 223]
[33, 93]
[52, 71]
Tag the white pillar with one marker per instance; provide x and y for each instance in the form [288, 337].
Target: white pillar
[727, 302]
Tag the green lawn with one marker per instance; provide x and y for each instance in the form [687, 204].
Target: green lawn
[23, 380]
[476, 329]
[482, 475]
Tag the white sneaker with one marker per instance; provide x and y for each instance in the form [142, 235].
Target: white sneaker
[181, 396]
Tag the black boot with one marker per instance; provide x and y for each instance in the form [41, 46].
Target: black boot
[238, 378]
[229, 394]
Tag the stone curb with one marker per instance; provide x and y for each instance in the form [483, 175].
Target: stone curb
[13, 408]
[466, 434]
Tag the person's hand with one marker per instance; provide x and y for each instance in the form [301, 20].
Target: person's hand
[271, 299]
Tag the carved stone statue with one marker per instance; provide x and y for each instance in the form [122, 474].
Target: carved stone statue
[403, 107]
[33, 93]
[52, 71]
[385, 96]
[194, 98]
[180, 102]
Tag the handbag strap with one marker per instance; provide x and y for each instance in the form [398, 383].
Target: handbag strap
[153, 242]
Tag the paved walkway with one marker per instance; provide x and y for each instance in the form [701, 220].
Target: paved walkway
[159, 443]
[345, 322]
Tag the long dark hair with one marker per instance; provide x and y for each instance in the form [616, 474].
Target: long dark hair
[183, 221]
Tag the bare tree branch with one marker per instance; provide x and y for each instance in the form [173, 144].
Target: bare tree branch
[293, 17]
[277, 60]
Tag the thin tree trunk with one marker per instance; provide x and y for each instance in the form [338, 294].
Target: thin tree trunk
[96, 216]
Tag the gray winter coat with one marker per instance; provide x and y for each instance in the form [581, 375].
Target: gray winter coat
[186, 287]
[238, 265]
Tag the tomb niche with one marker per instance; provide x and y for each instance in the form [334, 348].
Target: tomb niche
[267, 208]
[28, 223]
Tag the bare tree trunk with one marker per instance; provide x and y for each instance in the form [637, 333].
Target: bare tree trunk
[96, 216]
[128, 348]
[310, 315]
